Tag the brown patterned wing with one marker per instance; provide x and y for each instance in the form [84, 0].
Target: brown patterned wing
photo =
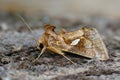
[90, 44]
[98, 45]
[83, 48]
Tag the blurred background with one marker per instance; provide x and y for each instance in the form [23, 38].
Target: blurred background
[98, 13]
[68, 8]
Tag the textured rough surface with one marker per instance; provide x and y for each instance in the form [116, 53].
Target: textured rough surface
[18, 50]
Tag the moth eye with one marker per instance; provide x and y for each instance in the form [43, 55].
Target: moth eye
[41, 45]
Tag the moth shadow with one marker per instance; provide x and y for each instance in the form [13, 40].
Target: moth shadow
[49, 54]
[68, 54]
[75, 55]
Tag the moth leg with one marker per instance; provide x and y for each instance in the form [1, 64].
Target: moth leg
[61, 53]
[42, 51]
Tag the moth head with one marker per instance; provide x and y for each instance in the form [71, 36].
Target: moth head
[40, 45]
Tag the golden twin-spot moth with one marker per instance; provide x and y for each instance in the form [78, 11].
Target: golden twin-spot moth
[84, 42]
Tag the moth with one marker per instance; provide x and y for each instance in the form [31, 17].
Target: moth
[85, 42]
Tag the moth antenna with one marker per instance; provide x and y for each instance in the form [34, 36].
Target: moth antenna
[42, 51]
[28, 26]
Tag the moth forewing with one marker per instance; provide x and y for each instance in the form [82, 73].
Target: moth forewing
[87, 43]
[98, 44]
[83, 48]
